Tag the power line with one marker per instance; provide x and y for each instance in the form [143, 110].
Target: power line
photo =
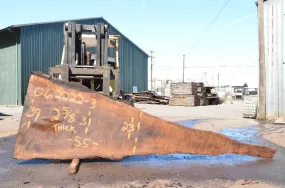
[210, 66]
[216, 17]
[236, 43]
[251, 64]
[237, 20]
[201, 67]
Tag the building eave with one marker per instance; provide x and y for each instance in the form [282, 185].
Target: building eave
[67, 20]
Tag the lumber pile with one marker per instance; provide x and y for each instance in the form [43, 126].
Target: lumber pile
[181, 88]
[184, 94]
[192, 94]
[184, 100]
[149, 98]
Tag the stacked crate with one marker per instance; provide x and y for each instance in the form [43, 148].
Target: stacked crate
[184, 94]
[250, 106]
[202, 94]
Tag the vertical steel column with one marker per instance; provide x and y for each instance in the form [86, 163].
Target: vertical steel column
[98, 48]
[105, 41]
[69, 32]
[262, 86]
[116, 72]
[102, 42]
[65, 72]
[66, 43]
[73, 44]
[106, 80]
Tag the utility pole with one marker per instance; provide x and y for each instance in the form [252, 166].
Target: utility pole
[218, 81]
[261, 109]
[151, 65]
[213, 81]
[183, 66]
[205, 77]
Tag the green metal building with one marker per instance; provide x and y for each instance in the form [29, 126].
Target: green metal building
[36, 47]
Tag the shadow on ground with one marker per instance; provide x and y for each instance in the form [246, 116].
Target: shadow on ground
[3, 115]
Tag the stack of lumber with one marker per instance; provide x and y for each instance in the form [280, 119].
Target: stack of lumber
[184, 94]
[183, 88]
[202, 94]
[184, 100]
[149, 98]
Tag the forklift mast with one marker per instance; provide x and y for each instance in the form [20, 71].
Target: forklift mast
[79, 64]
[75, 50]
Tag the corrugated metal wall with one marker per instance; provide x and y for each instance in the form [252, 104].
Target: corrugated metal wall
[9, 68]
[274, 23]
[42, 48]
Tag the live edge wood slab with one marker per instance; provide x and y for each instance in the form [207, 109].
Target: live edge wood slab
[67, 121]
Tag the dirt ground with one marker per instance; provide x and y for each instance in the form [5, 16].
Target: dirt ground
[175, 170]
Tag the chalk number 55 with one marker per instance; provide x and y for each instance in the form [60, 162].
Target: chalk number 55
[79, 142]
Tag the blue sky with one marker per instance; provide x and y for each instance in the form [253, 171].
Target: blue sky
[170, 28]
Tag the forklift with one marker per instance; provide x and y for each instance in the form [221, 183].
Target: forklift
[79, 63]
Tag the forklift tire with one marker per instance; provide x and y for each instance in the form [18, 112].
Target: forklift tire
[128, 100]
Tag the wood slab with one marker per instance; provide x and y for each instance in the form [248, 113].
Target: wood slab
[67, 121]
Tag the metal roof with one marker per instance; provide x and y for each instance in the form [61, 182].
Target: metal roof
[29, 24]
